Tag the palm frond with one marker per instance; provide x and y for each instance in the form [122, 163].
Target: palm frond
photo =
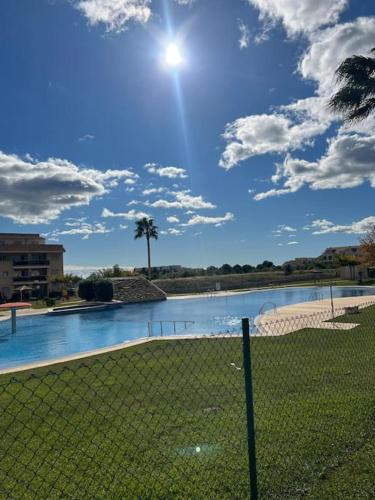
[355, 99]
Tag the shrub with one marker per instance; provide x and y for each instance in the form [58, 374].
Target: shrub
[86, 290]
[104, 290]
[288, 270]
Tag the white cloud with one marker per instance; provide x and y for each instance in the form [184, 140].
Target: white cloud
[183, 200]
[86, 138]
[331, 46]
[300, 15]
[129, 215]
[244, 39]
[130, 182]
[324, 226]
[217, 221]
[294, 126]
[172, 232]
[133, 202]
[74, 222]
[173, 219]
[84, 229]
[149, 191]
[292, 243]
[348, 162]
[283, 228]
[34, 192]
[170, 172]
[115, 14]
[261, 134]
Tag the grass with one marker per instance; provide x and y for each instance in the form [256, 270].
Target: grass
[199, 284]
[167, 420]
[292, 284]
[41, 304]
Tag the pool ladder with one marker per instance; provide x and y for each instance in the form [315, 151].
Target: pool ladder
[165, 323]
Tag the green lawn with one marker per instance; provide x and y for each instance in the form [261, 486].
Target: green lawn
[41, 304]
[167, 420]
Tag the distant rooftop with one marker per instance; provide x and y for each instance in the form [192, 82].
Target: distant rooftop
[30, 242]
[20, 235]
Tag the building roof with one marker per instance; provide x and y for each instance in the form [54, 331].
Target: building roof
[32, 248]
[342, 248]
[20, 235]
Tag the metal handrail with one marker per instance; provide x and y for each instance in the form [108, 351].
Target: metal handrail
[27, 263]
[161, 322]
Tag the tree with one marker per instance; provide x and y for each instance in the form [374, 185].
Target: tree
[367, 247]
[266, 264]
[68, 279]
[288, 270]
[86, 289]
[355, 99]
[211, 270]
[111, 272]
[226, 269]
[347, 260]
[145, 227]
[247, 268]
[104, 290]
[237, 269]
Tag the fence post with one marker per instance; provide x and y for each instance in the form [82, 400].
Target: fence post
[249, 408]
[332, 307]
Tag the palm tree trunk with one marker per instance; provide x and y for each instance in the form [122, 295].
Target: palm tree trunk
[149, 257]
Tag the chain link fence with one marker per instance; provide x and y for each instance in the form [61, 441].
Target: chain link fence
[172, 416]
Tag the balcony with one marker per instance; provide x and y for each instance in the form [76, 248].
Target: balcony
[31, 263]
[29, 279]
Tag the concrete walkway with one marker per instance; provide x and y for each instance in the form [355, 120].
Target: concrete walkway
[26, 312]
[313, 314]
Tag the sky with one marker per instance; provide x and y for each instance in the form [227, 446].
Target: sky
[208, 115]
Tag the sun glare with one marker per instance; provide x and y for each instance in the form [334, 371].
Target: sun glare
[173, 55]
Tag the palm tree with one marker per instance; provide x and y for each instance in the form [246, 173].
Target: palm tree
[145, 227]
[355, 99]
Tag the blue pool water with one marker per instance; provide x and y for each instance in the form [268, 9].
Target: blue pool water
[50, 337]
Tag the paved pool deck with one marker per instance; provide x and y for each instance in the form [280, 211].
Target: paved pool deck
[315, 314]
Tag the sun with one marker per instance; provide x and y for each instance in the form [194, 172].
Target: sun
[173, 56]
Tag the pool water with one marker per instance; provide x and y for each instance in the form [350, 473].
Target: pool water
[49, 337]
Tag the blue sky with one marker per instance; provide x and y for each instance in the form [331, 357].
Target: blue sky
[233, 151]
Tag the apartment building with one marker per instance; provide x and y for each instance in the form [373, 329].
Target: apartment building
[28, 265]
[300, 262]
[331, 253]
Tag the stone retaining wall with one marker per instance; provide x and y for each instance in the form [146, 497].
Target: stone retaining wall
[136, 289]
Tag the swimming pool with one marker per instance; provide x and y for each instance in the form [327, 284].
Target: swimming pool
[42, 338]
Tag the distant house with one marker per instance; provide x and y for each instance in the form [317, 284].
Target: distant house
[159, 269]
[173, 271]
[330, 253]
[27, 262]
[357, 272]
[327, 257]
[300, 262]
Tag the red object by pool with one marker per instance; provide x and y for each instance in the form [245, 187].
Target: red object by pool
[14, 305]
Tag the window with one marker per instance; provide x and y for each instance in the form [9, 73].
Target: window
[4, 274]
